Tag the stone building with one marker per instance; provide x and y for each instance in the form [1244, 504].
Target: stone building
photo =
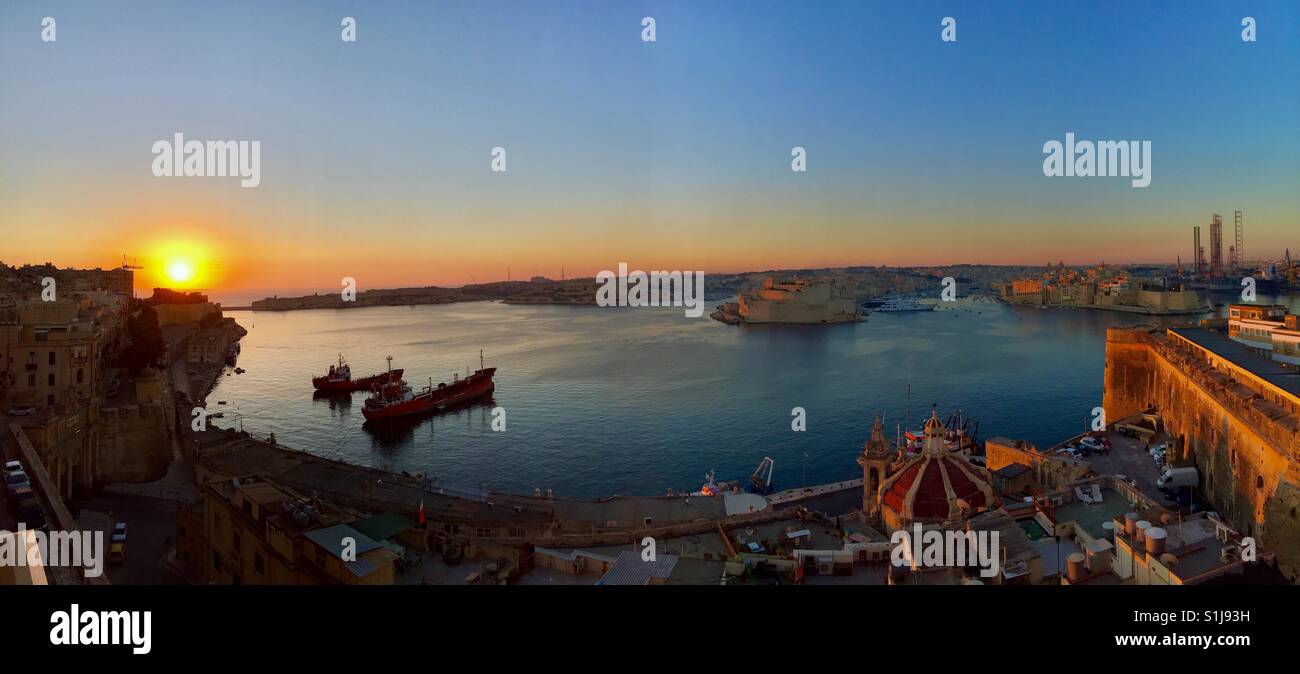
[255, 532]
[1237, 413]
[50, 355]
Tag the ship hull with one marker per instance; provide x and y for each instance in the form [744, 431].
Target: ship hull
[478, 385]
[325, 384]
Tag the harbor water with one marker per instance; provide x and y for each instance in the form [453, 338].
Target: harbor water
[604, 401]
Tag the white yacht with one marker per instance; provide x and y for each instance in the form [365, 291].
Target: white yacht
[899, 304]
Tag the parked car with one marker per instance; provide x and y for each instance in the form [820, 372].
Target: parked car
[15, 481]
[13, 467]
[119, 533]
[1072, 452]
[1091, 444]
[21, 411]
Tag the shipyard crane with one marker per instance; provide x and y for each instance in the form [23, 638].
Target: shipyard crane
[761, 480]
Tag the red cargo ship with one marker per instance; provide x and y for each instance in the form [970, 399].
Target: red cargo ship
[339, 378]
[396, 399]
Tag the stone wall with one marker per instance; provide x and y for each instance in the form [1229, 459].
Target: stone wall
[133, 443]
[1049, 470]
[1247, 459]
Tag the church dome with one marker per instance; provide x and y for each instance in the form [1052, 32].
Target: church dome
[937, 488]
[934, 485]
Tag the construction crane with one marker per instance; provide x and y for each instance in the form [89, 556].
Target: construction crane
[130, 267]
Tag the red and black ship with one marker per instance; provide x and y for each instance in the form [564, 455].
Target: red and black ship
[396, 399]
[339, 378]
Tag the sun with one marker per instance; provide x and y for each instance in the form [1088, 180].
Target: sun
[180, 271]
[182, 264]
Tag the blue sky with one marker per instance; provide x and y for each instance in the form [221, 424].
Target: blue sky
[673, 153]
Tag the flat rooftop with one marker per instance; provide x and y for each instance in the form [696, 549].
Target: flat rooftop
[1091, 516]
[1267, 369]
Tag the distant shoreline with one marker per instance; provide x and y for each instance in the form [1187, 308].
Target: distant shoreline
[537, 291]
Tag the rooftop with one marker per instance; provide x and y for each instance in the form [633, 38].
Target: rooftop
[631, 569]
[1271, 371]
[1091, 516]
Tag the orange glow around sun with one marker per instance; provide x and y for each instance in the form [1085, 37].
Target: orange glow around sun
[181, 265]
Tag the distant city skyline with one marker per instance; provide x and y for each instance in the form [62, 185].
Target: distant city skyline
[673, 154]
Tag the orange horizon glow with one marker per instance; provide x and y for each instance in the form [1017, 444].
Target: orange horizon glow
[185, 254]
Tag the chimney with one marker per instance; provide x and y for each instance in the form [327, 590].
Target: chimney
[1074, 566]
[1156, 540]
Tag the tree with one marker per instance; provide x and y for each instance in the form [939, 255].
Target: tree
[146, 347]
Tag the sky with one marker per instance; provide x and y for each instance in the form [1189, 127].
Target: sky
[672, 154]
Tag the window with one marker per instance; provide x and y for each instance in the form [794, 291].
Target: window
[216, 561]
[51, 378]
[483, 532]
[81, 376]
[258, 565]
[517, 532]
[51, 358]
[31, 380]
[234, 543]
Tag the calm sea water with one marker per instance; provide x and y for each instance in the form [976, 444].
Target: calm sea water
[636, 401]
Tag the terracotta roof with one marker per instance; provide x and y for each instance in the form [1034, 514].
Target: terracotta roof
[936, 476]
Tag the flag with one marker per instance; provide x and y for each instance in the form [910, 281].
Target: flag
[421, 511]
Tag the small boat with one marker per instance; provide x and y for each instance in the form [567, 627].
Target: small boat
[339, 378]
[712, 487]
[397, 399]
